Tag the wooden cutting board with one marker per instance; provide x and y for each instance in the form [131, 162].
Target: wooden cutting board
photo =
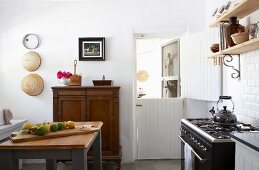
[78, 130]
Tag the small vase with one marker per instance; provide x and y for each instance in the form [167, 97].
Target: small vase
[252, 31]
[257, 30]
[64, 81]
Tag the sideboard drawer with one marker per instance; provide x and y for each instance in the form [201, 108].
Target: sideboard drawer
[99, 92]
[71, 92]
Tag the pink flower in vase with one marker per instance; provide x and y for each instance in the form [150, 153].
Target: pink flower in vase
[63, 74]
[64, 77]
[67, 74]
[59, 74]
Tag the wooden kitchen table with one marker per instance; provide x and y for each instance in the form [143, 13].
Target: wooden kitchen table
[73, 148]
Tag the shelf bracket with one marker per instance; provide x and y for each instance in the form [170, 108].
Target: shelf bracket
[228, 59]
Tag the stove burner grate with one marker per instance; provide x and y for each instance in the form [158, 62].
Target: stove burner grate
[220, 132]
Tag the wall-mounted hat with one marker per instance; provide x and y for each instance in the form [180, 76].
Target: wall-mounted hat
[31, 61]
[32, 84]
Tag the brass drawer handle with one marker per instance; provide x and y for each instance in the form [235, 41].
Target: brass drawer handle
[139, 105]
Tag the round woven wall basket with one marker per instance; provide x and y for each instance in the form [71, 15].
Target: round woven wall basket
[31, 61]
[32, 84]
[142, 75]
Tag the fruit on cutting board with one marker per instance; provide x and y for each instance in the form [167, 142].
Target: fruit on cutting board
[27, 126]
[61, 126]
[47, 126]
[53, 127]
[42, 130]
[38, 124]
[70, 124]
[34, 130]
[65, 123]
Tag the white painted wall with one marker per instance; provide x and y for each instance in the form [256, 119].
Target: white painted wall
[197, 108]
[60, 23]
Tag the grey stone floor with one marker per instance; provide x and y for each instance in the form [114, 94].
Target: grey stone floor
[137, 165]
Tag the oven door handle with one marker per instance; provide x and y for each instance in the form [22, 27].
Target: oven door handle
[196, 155]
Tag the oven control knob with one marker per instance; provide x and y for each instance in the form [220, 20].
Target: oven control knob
[184, 131]
[199, 144]
[205, 149]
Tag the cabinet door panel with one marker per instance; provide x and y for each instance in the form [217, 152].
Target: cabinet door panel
[92, 104]
[246, 157]
[72, 108]
[200, 78]
[100, 108]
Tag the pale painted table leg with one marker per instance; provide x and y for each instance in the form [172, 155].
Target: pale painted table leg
[97, 153]
[51, 164]
[79, 159]
[7, 162]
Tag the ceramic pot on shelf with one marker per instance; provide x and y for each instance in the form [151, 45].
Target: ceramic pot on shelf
[64, 81]
[232, 28]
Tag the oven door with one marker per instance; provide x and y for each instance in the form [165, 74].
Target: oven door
[198, 161]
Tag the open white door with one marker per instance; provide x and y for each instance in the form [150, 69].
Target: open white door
[158, 128]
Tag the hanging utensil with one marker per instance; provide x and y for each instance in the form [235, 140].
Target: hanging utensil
[75, 64]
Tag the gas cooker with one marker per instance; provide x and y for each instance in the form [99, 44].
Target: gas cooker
[210, 143]
[214, 132]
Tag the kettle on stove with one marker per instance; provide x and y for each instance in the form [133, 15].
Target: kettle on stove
[224, 117]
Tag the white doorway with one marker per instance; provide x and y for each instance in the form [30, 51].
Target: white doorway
[157, 117]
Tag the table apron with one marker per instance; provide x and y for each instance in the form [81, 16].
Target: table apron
[43, 154]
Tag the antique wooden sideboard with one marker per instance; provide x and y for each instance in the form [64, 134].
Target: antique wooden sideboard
[92, 103]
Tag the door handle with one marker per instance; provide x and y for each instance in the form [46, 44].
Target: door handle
[139, 105]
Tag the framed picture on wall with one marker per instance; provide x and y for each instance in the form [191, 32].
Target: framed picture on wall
[92, 49]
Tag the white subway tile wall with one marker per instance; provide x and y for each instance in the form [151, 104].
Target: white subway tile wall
[250, 83]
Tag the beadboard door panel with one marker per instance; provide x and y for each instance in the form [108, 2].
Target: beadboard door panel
[158, 128]
[200, 78]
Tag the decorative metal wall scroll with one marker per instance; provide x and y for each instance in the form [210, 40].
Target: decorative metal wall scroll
[228, 59]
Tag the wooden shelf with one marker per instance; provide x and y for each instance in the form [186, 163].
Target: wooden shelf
[239, 49]
[244, 8]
